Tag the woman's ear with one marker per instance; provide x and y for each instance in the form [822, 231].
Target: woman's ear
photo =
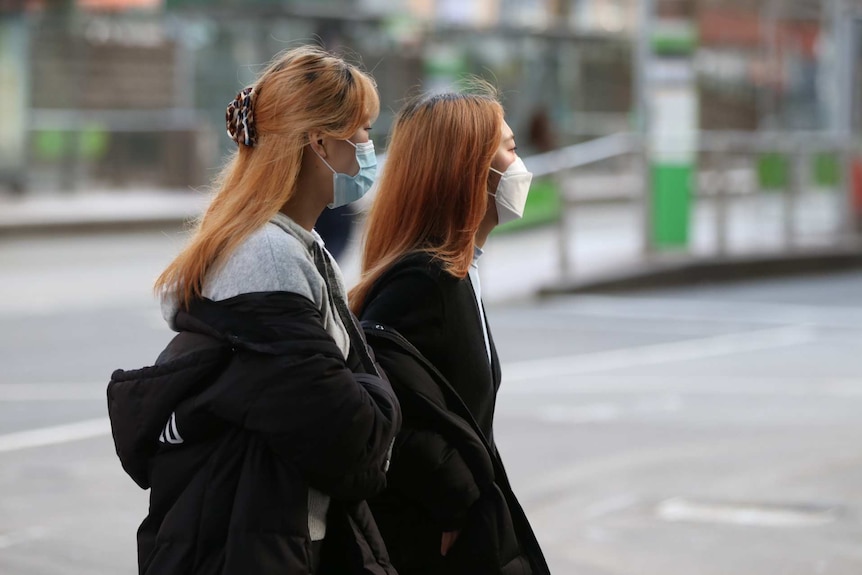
[315, 140]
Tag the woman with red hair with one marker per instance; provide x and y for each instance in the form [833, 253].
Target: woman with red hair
[452, 175]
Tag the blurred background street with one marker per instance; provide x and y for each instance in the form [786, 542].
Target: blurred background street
[679, 314]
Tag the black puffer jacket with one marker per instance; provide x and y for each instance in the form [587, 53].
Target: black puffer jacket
[249, 406]
[441, 453]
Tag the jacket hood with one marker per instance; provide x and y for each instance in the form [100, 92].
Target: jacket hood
[170, 307]
[141, 401]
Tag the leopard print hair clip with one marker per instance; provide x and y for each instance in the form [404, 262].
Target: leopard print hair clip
[240, 118]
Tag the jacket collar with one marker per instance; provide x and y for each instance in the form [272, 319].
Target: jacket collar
[286, 223]
[266, 322]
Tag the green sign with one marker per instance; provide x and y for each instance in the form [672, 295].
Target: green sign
[13, 94]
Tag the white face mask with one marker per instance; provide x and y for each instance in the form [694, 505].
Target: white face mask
[511, 196]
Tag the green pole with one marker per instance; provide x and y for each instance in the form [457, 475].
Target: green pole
[14, 94]
[673, 130]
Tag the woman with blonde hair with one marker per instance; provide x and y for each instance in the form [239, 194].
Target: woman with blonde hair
[452, 175]
[265, 423]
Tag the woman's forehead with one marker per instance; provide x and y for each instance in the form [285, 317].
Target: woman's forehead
[369, 121]
[507, 133]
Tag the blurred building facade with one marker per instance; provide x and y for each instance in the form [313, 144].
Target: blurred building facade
[118, 93]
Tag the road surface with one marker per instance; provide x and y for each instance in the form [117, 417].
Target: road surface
[698, 431]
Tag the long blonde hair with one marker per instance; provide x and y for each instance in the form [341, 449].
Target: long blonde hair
[433, 193]
[302, 90]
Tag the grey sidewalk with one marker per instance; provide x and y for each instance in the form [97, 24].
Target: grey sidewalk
[98, 211]
[606, 247]
[605, 243]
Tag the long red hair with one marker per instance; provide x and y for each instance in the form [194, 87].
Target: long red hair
[304, 89]
[433, 193]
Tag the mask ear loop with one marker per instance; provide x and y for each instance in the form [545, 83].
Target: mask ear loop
[494, 195]
[324, 161]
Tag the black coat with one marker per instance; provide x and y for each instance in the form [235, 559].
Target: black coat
[254, 403]
[439, 315]
[446, 473]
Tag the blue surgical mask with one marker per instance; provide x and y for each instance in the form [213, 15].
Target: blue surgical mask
[347, 189]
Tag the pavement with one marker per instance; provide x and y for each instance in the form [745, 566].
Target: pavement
[604, 240]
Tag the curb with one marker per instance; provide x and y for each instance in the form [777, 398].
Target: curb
[100, 213]
[714, 271]
[93, 226]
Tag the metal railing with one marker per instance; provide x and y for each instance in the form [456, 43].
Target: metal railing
[717, 150]
[799, 148]
[560, 163]
[584, 154]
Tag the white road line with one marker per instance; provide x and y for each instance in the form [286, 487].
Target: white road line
[54, 435]
[740, 514]
[533, 371]
[52, 392]
[23, 536]
[610, 505]
[712, 311]
[592, 412]
[691, 386]
[580, 413]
